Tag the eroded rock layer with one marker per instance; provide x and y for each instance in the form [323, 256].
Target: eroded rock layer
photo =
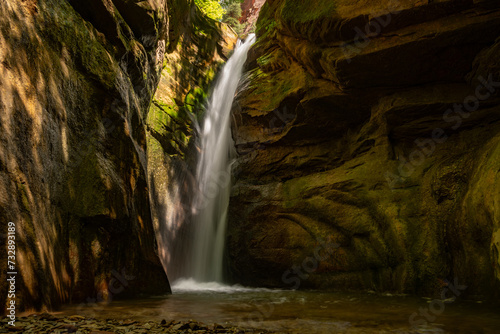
[374, 126]
[250, 10]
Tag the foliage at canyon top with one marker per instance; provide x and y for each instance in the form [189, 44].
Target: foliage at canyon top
[228, 11]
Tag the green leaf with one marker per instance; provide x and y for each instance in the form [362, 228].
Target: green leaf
[211, 8]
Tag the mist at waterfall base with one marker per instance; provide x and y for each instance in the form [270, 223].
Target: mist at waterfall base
[196, 249]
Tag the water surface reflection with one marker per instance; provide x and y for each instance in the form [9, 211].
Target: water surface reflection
[289, 311]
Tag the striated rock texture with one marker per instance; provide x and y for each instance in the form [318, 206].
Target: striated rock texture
[250, 10]
[76, 82]
[189, 69]
[374, 125]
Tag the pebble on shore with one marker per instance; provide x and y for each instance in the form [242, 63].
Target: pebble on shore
[48, 323]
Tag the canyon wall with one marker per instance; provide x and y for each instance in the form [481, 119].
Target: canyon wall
[76, 83]
[250, 10]
[369, 148]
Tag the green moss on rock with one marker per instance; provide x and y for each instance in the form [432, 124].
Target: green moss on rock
[303, 11]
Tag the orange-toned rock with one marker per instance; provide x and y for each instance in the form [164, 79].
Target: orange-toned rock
[250, 10]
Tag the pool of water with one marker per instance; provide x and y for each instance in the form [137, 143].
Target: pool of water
[288, 311]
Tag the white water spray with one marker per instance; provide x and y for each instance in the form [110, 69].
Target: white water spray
[213, 174]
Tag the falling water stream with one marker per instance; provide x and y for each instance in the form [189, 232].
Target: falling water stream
[213, 174]
[199, 294]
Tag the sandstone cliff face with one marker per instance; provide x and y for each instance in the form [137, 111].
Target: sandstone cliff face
[250, 10]
[374, 125]
[76, 82]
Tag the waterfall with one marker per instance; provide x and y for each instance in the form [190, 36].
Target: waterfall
[204, 261]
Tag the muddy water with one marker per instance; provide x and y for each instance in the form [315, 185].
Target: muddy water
[287, 311]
